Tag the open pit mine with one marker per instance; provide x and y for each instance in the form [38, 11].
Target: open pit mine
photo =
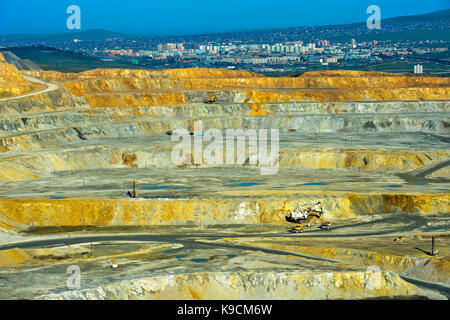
[92, 205]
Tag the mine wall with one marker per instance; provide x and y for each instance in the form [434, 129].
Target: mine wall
[234, 210]
[41, 164]
[256, 286]
[100, 119]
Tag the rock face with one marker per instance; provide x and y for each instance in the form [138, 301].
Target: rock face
[108, 212]
[55, 101]
[256, 286]
[11, 81]
[118, 87]
[363, 143]
[13, 257]
[104, 120]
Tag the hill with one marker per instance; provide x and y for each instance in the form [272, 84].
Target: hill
[60, 60]
[429, 26]
[95, 34]
[436, 16]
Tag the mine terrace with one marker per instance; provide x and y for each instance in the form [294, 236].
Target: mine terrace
[372, 147]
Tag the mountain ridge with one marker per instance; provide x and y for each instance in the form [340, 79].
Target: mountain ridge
[102, 34]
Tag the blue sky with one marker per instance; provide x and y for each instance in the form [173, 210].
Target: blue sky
[164, 17]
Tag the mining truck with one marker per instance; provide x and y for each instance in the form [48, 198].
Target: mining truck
[210, 99]
[297, 229]
[325, 226]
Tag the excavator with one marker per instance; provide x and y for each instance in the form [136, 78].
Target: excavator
[304, 215]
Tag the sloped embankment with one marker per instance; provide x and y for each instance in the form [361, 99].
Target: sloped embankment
[12, 82]
[110, 212]
[114, 87]
[431, 269]
[13, 257]
[257, 286]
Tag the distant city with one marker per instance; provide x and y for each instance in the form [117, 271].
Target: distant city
[288, 56]
[401, 44]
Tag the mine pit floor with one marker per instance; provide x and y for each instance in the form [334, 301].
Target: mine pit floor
[353, 245]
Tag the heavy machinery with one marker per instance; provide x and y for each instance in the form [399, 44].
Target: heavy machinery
[325, 226]
[210, 99]
[433, 251]
[297, 229]
[132, 194]
[114, 264]
[171, 133]
[305, 214]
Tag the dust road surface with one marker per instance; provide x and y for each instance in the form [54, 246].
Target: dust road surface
[50, 87]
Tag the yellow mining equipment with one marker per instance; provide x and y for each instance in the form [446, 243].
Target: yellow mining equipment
[114, 264]
[210, 99]
[433, 251]
[297, 229]
[304, 214]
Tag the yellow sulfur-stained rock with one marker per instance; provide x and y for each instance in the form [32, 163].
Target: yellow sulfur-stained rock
[125, 87]
[110, 212]
[256, 286]
[12, 82]
[13, 257]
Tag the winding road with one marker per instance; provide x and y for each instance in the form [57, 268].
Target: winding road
[49, 87]
[414, 222]
[197, 241]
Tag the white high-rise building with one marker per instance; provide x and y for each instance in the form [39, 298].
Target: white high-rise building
[311, 46]
[418, 68]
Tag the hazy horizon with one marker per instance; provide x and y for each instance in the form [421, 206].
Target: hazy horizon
[197, 17]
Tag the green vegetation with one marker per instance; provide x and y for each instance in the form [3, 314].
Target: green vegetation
[98, 34]
[443, 57]
[64, 61]
[440, 15]
[412, 35]
[435, 68]
[406, 66]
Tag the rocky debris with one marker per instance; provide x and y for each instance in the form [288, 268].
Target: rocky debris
[111, 212]
[257, 286]
[13, 257]
[12, 82]
[122, 87]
